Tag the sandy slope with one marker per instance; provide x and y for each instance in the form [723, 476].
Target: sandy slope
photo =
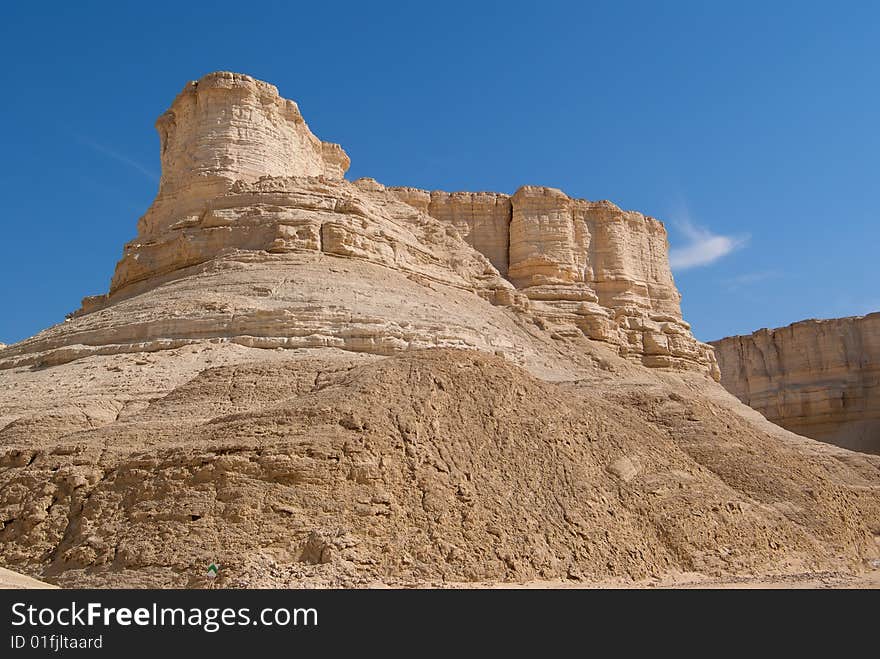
[330, 468]
[10, 579]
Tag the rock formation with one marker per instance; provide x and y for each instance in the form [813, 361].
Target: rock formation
[819, 378]
[243, 179]
[225, 128]
[586, 266]
[313, 381]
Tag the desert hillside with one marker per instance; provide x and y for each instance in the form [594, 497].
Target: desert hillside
[312, 381]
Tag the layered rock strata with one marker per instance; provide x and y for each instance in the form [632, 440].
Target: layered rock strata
[224, 128]
[244, 181]
[481, 218]
[586, 266]
[255, 390]
[819, 378]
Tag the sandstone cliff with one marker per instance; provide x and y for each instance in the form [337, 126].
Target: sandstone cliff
[320, 382]
[819, 378]
[246, 185]
[229, 127]
[586, 266]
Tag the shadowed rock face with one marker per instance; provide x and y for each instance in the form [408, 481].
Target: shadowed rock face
[482, 219]
[246, 186]
[819, 378]
[10, 579]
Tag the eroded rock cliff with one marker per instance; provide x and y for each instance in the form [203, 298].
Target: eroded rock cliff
[819, 378]
[246, 185]
[229, 127]
[313, 381]
[586, 266]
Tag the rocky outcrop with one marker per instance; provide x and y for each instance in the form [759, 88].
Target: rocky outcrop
[317, 382]
[481, 218]
[586, 266]
[228, 127]
[819, 378]
[245, 184]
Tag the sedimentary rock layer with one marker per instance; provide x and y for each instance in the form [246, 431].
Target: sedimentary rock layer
[317, 382]
[481, 218]
[245, 181]
[228, 127]
[586, 266]
[819, 378]
[331, 468]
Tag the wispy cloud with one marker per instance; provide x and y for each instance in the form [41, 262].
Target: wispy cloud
[119, 157]
[703, 247]
[749, 279]
[110, 192]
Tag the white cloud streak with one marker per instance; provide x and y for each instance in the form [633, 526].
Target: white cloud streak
[749, 279]
[119, 157]
[702, 248]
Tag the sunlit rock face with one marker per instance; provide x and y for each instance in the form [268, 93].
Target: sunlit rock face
[317, 382]
[229, 127]
[587, 266]
[819, 378]
[248, 191]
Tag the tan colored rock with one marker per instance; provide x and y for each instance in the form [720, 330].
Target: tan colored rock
[616, 261]
[247, 190]
[624, 468]
[316, 382]
[324, 467]
[590, 266]
[819, 378]
[229, 127]
[481, 218]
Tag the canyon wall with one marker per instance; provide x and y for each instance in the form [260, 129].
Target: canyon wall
[586, 266]
[244, 180]
[319, 382]
[818, 378]
[481, 218]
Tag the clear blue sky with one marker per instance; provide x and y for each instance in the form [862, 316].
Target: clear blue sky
[750, 128]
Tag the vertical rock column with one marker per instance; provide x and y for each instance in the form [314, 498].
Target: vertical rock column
[229, 127]
[549, 241]
[221, 129]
